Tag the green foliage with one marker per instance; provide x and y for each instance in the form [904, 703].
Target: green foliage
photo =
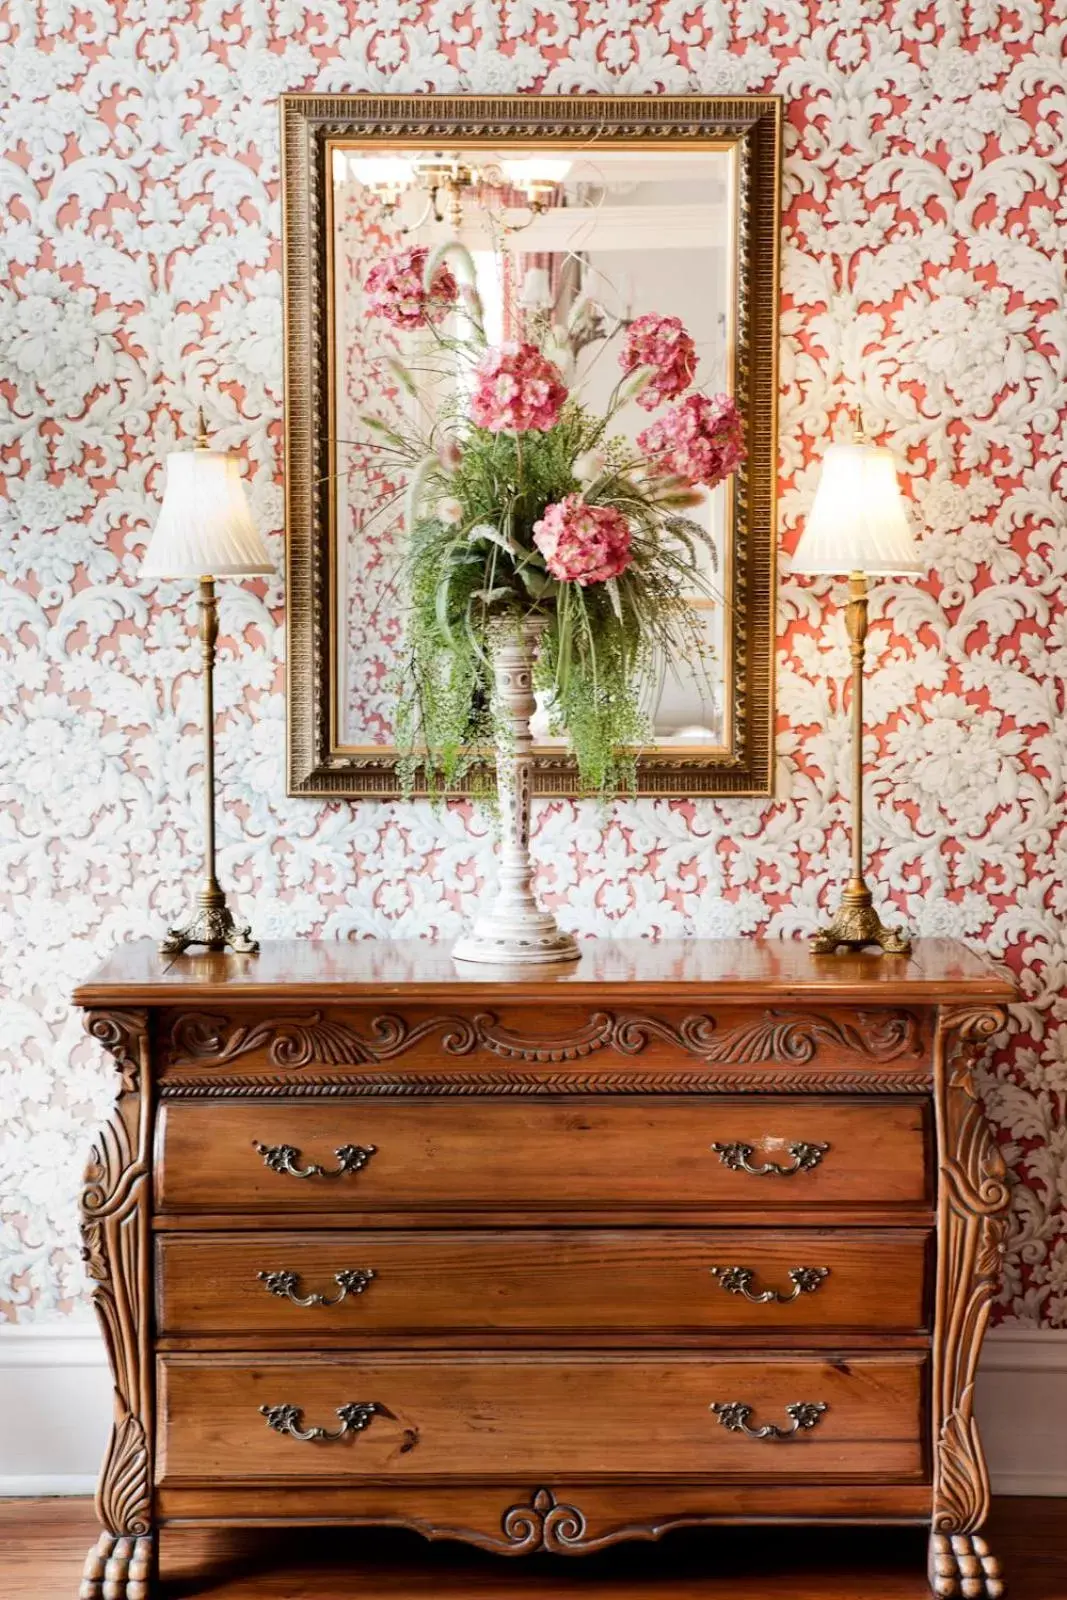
[508, 480]
[603, 644]
[445, 695]
[590, 663]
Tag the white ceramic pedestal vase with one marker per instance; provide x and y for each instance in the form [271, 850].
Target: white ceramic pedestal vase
[513, 930]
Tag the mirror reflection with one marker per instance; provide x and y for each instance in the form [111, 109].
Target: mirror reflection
[569, 247]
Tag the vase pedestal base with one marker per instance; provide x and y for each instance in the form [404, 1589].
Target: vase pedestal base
[534, 942]
[513, 931]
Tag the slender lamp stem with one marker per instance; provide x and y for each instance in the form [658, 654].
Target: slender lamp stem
[856, 620]
[855, 922]
[209, 632]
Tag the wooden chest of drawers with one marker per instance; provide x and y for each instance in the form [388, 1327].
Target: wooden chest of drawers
[692, 1233]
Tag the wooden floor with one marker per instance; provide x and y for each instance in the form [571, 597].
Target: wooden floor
[43, 1542]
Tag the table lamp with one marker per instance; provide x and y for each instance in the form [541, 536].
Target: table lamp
[205, 531]
[857, 526]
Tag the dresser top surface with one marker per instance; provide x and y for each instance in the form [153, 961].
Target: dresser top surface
[744, 969]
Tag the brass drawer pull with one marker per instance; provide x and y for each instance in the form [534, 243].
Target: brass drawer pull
[285, 1285]
[287, 1419]
[736, 1280]
[737, 1157]
[284, 1158]
[734, 1415]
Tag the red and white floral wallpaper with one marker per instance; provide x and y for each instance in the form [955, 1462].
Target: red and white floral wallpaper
[925, 225]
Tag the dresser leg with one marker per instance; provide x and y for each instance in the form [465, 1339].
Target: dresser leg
[116, 1239]
[961, 1565]
[973, 1201]
[119, 1568]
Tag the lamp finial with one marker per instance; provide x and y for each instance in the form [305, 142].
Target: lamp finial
[859, 432]
[201, 430]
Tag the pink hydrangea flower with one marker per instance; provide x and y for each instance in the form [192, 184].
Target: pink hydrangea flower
[517, 390]
[662, 344]
[698, 440]
[396, 291]
[583, 544]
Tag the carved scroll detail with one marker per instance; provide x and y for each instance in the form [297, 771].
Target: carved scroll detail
[120, 1032]
[542, 1523]
[202, 1038]
[545, 1524]
[115, 1248]
[972, 1229]
[792, 1037]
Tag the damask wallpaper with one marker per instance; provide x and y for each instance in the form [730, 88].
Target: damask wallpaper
[925, 224]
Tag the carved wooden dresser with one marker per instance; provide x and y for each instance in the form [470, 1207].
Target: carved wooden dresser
[692, 1233]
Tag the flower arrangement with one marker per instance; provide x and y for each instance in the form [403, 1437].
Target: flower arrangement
[525, 504]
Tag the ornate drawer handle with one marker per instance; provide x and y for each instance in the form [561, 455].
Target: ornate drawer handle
[284, 1158]
[736, 1280]
[286, 1284]
[734, 1415]
[805, 1156]
[354, 1418]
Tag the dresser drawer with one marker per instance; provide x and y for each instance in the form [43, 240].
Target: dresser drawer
[766, 1153]
[645, 1280]
[491, 1416]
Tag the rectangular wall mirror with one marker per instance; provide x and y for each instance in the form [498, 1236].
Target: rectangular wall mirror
[579, 215]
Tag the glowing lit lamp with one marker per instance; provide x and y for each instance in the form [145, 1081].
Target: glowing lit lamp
[383, 172]
[537, 176]
[858, 526]
[205, 531]
[387, 176]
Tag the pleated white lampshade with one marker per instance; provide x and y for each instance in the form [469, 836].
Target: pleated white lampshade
[205, 527]
[858, 522]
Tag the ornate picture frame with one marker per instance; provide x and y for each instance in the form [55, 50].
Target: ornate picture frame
[750, 126]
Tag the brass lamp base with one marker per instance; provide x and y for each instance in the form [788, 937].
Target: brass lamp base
[857, 924]
[211, 926]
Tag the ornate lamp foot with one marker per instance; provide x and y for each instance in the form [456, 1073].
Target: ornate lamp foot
[961, 1565]
[118, 1567]
[213, 927]
[856, 924]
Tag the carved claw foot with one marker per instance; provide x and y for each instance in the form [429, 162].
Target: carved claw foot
[118, 1567]
[961, 1565]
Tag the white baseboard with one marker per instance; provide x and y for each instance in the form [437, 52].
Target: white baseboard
[55, 1399]
[1021, 1401]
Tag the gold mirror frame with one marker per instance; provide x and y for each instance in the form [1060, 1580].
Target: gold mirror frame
[748, 125]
